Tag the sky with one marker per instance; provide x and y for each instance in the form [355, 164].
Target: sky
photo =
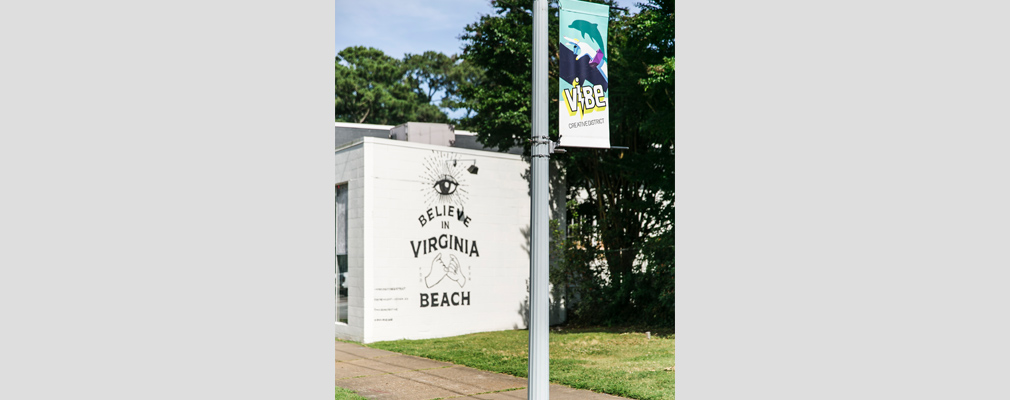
[398, 27]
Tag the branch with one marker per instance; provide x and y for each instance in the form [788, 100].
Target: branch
[362, 120]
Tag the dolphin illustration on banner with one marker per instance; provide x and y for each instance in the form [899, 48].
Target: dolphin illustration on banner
[590, 29]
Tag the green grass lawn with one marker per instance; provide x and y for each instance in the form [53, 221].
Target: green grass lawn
[347, 394]
[602, 360]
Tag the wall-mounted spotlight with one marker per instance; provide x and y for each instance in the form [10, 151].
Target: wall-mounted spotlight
[471, 169]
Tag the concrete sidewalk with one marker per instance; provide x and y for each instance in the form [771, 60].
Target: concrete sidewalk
[381, 374]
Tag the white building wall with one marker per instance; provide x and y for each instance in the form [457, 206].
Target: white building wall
[368, 238]
[403, 183]
[350, 169]
[391, 185]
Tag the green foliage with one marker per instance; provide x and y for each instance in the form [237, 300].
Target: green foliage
[346, 394]
[427, 73]
[463, 76]
[615, 362]
[644, 297]
[501, 44]
[434, 73]
[372, 87]
[659, 74]
[618, 258]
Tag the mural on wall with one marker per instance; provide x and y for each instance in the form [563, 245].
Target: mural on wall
[444, 181]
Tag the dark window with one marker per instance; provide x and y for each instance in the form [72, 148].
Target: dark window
[341, 250]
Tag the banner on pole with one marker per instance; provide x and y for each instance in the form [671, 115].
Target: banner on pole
[583, 116]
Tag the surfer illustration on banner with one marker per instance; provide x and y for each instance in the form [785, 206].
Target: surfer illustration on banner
[583, 74]
[595, 60]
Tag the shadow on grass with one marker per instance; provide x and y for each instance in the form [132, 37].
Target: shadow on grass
[656, 332]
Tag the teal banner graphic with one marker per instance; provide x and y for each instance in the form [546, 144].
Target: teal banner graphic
[583, 100]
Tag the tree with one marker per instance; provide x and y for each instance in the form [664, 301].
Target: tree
[433, 74]
[463, 76]
[625, 199]
[501, 44]
[369, 88]
[372, 87]
[427, 75]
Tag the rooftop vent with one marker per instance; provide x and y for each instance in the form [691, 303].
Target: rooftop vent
[423, 132]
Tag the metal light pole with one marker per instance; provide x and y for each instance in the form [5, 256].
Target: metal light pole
[539, 361]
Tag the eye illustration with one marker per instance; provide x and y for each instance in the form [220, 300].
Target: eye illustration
[445, 181]
[446, 185]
